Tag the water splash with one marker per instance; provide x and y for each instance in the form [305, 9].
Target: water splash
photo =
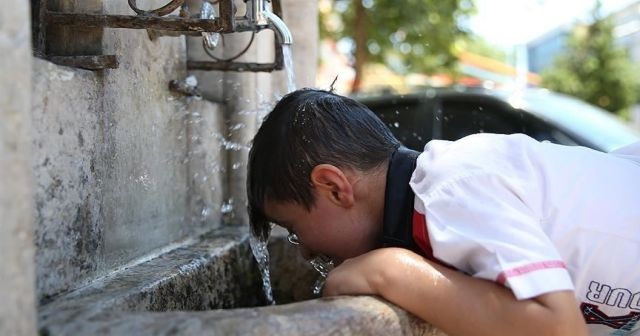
[228, 145]
[261, 254]
[287, 54]
[323, 265]
[227, 207]
[209, 12]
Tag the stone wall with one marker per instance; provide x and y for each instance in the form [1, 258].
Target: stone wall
[109, 160]
[123, 167]
[248, 97]
[17, 311]
[105, 169]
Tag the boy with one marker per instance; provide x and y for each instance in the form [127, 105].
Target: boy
[487, 235]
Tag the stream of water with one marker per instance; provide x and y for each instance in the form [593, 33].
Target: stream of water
[322, 264]
[287, 54]
[261, 254]
[258, 246]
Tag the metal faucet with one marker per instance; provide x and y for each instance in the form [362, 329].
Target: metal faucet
[260, 14]
[283, 34]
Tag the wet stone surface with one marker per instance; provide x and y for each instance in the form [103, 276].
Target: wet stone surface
[212, 287]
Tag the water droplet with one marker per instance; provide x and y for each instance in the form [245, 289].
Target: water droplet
[227, 207]
[206, 211]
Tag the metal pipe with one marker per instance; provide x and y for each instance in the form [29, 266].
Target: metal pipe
[283, 34]
[254, 12]
[137, 22]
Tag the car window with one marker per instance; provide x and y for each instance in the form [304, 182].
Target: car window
[462, 118]
[598, 128]
[410, 120]
[541, 130]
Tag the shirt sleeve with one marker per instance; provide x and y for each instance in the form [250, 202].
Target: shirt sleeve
[482, 225]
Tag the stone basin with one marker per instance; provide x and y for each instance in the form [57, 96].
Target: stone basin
[212, 286]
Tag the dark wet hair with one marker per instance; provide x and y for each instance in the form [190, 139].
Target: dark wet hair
[306, 128]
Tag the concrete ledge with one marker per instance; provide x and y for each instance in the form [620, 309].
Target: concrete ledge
[175, 293]
[336, 316]
[213, 272]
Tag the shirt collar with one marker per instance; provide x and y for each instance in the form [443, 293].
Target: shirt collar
[397, 228]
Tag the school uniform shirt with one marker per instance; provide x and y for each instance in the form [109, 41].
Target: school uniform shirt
[534, 217]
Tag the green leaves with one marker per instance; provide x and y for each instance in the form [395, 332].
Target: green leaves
[594, 68]
[408, 36]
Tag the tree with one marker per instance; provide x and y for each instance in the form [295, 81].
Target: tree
[480, 46]
[415, 35]
[593, 68]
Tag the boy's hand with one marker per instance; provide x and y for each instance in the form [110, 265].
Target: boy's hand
[452, 301]
[362, 275]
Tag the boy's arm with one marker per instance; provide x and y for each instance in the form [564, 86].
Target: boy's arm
[452, 301]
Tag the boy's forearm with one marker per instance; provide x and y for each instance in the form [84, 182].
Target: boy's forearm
[462, 305]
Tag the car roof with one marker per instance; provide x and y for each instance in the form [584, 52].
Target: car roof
[577, 117]
[587, 122]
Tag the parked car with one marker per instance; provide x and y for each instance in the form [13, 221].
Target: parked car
[452, 113]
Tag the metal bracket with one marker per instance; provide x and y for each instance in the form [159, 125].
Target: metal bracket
[158, 21]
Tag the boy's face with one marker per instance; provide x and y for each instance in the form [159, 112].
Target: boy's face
[328, 229]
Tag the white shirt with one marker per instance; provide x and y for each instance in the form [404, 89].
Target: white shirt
[538, 218]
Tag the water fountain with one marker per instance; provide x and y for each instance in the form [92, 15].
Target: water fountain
[173, 294]
[208, 285]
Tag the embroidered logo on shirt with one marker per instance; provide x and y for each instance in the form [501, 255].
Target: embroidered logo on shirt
[604, 294]
[617, 297]
[624, 323]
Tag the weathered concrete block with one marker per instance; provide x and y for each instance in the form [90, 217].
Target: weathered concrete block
[207, 166]
[66, 145]
[145, 203]
[112, 162]
[362, 315]
[17, 311]
[172, 294]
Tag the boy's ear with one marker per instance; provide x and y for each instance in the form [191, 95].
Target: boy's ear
[331, 182]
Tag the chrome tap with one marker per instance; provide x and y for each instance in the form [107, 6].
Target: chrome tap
[260, 14]
[283, 34]
[255, 9]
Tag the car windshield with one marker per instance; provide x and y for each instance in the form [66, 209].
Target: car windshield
[577, 117]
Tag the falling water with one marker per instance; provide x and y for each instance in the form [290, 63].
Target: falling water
[261, 254]
[323, 265]
[208, 11]
[258, 245]
[287, 54]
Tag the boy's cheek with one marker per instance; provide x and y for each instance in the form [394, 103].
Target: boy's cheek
[305, 253]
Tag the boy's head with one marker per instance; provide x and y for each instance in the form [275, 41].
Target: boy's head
[308, 128]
